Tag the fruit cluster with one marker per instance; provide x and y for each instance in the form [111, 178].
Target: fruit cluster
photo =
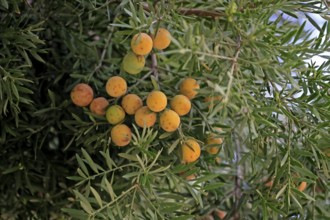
[141, 45]
[156, 101]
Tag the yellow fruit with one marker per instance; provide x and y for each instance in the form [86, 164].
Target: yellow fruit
[213, 100]
[156, 101]
[82, 94]
[121, 135]
[189, 87]
[218, 160]
[169, 120]
[214, 142]
[144, 117]
[190, 151]
[131, 103]
[302, 186]
[181, 104]
[115, 114]
[162, 39]
[141, 44]
[116, 86]
[132, 63]
[98, 106]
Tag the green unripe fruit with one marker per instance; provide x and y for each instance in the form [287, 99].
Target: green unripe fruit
[115, 114]
[132, 63]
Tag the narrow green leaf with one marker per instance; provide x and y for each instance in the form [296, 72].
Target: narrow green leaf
[82, 165]
[89, 161]
[97, 196]
[281, 191]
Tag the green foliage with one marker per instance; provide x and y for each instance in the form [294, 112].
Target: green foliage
[57, 160]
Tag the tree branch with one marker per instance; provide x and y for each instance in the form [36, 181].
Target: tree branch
[193, 11]
[200, 12]
[154, 65]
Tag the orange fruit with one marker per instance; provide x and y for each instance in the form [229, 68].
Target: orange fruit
[214, 142]
[302, 186]
[144, 117]
[121, 135]
[141, 44]
[156, 101]
[116, 86]
[220, 214]
[99, 105]
[190, 151]
[82, 94]
[213, 100]
[189, 87]
[269, 183]
[115, 114]
[169, 120]
[162, 39]
[181, 104]
[131, 103]
[132, 63]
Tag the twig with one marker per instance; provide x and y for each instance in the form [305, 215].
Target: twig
[104, 51]
[192, 11]
[140, 80]
[154, 65]
[200, 12]
[238, 178]
[233, 69]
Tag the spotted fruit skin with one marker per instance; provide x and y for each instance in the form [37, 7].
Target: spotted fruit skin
[115, 114]
[116, 86]
[156, 101]
[121, 135]
[132, 63]
[189, 87]
[181, 105]
[191, 151]
[144, 117]
[169, 120]
[162, 39]
[141, 44]
[99, 105]
[82, 95]
[131, 103]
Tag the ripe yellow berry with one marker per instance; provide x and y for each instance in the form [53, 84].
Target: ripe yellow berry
[162, 39]
[141, 44]
[115, 114]
[156, 101]
[302, 186]
[131, 103]
[169, 120]
[121, 135]
[190, 150]
[144, 117]
[82, 94]
[213, 100]
[181, 104]
[214, 142]
[99, 105]
[132, 63]
[116, 86]
[189, 87]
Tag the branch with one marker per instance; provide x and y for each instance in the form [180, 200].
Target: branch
[233, 69]
[200, 12]
[154, 65]
[193, 11]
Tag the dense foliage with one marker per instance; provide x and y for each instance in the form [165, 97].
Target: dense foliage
[57, 160]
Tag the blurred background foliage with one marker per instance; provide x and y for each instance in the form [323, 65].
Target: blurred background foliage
[57, 161]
